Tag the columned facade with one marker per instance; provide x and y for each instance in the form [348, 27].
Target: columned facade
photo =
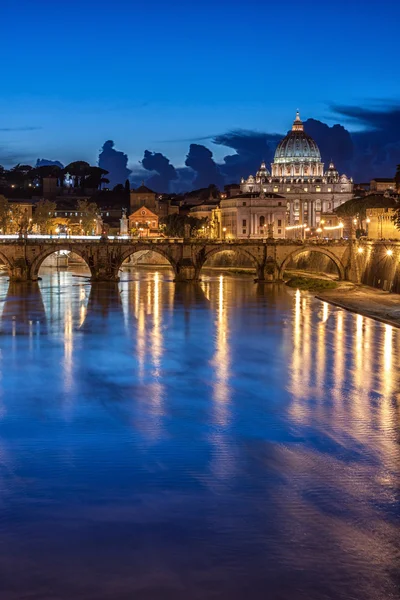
[298, 175]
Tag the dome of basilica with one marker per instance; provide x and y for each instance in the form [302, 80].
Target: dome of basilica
[297, 146]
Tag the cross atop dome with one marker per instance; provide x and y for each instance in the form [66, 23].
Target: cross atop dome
[297, 123]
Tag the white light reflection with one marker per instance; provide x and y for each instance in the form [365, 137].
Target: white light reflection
[156, 345]
[221, 360]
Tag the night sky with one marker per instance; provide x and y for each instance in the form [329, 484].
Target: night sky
[160, 75]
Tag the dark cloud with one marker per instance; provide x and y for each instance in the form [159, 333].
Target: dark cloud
[20, 128]
[44, 162]
[115, 162]
[377, 144]
[8, 158]
[165, 172]
[335, 143]
[251, 148]
[200, 159]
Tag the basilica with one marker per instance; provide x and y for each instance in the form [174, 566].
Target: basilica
[298, 174]
[297, 181]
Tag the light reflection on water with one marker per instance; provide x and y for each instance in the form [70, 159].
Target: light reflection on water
[221, 440]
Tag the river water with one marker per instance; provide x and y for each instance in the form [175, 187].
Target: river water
[226, 440]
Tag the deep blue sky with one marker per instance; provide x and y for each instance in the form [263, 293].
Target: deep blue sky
[157, 75]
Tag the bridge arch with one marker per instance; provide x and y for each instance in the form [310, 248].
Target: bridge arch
[320, 250]
[148, 248]
[207, 254]
[41, 257]
[7, 263]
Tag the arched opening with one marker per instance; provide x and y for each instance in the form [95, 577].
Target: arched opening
[262, 221]
[144, 261]
[4, 266]
[313, 263]
[229, 261]
[62, 265]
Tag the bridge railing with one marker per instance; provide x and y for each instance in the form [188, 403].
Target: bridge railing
[123, 239]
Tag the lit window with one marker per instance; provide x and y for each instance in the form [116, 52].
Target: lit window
[318, 188]
[329, 189]
[288, 189]
[276, 189]
[306, 189]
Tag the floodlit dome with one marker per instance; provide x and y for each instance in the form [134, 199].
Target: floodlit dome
[263, 172]
[332, 173]
[297, 146]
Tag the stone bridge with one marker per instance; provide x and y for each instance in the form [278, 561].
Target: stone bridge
[23, 257]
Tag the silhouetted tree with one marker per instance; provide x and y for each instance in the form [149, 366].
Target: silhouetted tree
[79, 169]
[127, 186]
[397, 178]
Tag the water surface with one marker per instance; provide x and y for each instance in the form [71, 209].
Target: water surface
[224, 440]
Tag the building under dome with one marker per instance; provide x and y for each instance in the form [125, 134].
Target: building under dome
[297, 174]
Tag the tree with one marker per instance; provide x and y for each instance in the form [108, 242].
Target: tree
[174, 225]
[4, 214]
[47, 171]
[79, 170]
[396, 216]
[127, 186]
[19, 220]
[89, 214]
[397, 178]
[44, 214]
[95, 178]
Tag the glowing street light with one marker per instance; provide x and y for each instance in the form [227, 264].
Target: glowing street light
[389, 252]
[360, 250]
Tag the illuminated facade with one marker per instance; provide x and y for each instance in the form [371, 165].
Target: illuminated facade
[250, 215]
[297, 174]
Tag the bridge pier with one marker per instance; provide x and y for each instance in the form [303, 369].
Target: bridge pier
[186, 271]
[267, 272]
[19, 271]
[104, 274]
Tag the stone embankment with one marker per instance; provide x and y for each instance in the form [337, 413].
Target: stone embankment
[367, 301]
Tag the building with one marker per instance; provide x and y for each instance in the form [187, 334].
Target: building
[298, 175]
[159, 204]
[382, 184]
[144, 222]
[380, 224]
[142, 196]
[250, 215]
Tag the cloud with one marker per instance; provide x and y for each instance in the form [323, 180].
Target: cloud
[165, 171]
[251, 147]
[7, 129]
[200, 159]
[115, 162]
[377, 144]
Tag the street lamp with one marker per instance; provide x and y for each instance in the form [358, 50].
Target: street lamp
[224, 232]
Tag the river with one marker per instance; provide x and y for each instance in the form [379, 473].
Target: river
[224, 440]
